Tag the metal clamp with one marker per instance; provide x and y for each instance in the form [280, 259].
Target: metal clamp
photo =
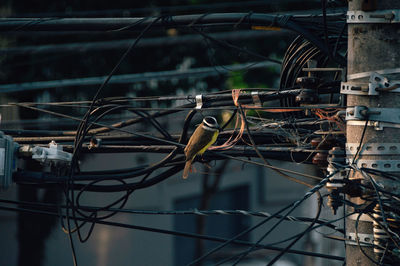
[364, 239]
[380, 165]
[256, 99]
[378, 83]
[378, 16]
[373, 149]
[389, 115]
[356, 113]
[53, 154]
[199, 101]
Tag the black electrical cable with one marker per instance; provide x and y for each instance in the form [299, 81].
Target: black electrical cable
[295, 236]
[294, 23]
[323, 2]
[309, 228]
[123, 200]
[187, 212]
[178, 233]
[231, 240]
[292, 206]
[70, 198]
[358, 241]
[226, 44]
[242, 113]
[250, 249]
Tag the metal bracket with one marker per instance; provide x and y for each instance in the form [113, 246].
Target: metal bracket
[368, 73]
[380, 165]
[378, 16]
[354, 88]
[373, 149]
[376, 124]
[389, 115]
[377, 83]
[364, 239]
[199, 101]
[326, 69]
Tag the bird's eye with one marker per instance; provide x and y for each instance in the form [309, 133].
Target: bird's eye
[210, 120]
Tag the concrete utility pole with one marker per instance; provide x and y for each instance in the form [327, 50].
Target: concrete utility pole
[373, 44]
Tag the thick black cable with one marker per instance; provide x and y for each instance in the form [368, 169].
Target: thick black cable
[93, 214]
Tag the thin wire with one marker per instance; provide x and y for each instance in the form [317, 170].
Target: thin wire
[82, 127]
[182, 145]
[178, 233]
[262, 157]
[250, 249]
[358, 241]
[179, 213]
[309, 228]
[293, 206]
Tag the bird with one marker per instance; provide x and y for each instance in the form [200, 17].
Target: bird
[203, 137]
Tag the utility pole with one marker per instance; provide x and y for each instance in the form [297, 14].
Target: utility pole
[373, 45]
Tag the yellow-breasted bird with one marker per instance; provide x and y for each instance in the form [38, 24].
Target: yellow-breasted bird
[203, 137]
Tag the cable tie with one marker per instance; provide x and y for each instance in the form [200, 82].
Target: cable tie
[199, 101]
[256, 98]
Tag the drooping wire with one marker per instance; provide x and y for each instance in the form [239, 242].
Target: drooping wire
[292, 207]
[176, 233]
[70, 198]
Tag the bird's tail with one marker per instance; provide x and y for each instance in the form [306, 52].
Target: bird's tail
[187, 169]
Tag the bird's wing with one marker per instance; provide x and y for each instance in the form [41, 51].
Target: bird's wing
[199, 139]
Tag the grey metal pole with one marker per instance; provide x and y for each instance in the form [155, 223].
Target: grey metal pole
[371, 46]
